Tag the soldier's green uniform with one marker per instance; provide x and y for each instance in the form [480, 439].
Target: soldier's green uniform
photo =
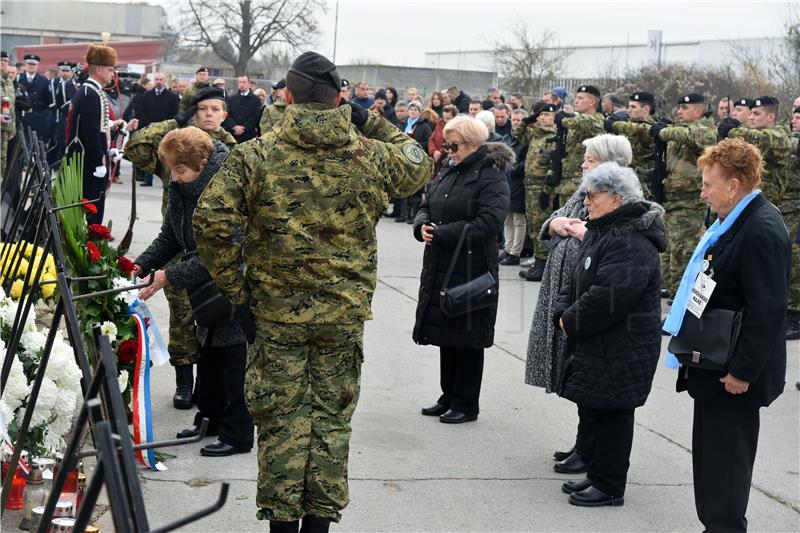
[683, 209]
[537, 163]
[193, 88]
[579, 128]
[637, 131]
[142, 151]
[776, 148]
[307, 195]
[272, 115]
[7, 129]
[790, 208]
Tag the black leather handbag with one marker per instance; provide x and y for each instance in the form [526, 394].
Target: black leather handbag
[708, 342]
[209, 306]
[473, 295]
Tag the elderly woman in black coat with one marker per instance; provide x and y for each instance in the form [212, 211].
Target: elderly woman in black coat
[610, 312]
[747, 253]
[193, 160]
[469, 192]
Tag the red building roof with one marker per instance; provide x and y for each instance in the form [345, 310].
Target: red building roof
[142, 52]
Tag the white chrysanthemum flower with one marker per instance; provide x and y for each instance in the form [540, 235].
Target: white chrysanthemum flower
[123, 380]
[65, 406]
[8, 311]
[32, 340]
[2, 294]
[48, 397]
[109, 329]
[6, 412]
[126, 296]
[17, 388]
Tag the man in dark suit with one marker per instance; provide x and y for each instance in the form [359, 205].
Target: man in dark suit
[89, 122]
[157, 105]
[63, 90]
[244, 112]
[37, 89]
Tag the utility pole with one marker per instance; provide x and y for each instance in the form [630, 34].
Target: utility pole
[335, 30]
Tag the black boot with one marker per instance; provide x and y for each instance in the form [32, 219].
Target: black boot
[315, 524]
[536, 271]
[792, 326]
[283, 527]
[184, 379]
[400, 208]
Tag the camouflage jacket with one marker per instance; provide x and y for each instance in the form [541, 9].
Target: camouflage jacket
[791, 197]
[638, 133]
[187, 97]
[7, 90]
[272, 115]
[776, 147]
[685, 143]
[537, 162]
[307, 196]
[579, 128]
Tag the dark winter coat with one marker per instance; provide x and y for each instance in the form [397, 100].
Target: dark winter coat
[158, 108]
[474, 192]
[421, 132]
[462, 102]
[516, 177]
[176, 237]
[243, 110]
[611, 309]
[751, 264]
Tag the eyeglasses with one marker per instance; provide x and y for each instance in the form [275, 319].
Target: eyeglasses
[591, 195]
[451, 147]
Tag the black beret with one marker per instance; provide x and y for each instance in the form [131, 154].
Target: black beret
[280, 84]
[345, 83]
[590, 89]
[201, 69]
[31, 58]
[207, 93]
[743, 102]
[692, 98]
[316, 68]
[764, 100]
[4, 54]
[796, 109]
[380, 93]
[643, 97]
[548, 108]
[64, 65]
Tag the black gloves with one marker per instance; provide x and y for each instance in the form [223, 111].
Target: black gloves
[358, 115]
[544, 201]
[184, 118]
[726, 125]
[530, 119]
[655, 130]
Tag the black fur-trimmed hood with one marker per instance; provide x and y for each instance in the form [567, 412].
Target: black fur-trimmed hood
[642, 217]
[500, 156]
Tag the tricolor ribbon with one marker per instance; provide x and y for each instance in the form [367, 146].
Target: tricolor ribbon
[21, 463]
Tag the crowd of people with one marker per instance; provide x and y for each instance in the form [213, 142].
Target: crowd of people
[271, 202]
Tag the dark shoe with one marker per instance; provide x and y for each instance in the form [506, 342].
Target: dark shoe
[283, 527]
[435, 410]
[221, 449]
[184, 379]
[575, 486]
[574, 464]
[792, 326]
[536, 272]
[594, 497]
[400, 219]
[510, 260]
[454, 417]
[560, 456]
[665, 294]
[193, 431]
[315, 524]
[502, 255]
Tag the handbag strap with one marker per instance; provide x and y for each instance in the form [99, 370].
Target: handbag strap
[456, 252]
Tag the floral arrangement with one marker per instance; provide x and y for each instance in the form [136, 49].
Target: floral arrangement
[31, 257]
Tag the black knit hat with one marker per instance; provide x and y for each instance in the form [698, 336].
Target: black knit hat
[316, 68]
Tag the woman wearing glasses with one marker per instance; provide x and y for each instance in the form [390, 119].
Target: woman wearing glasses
[471, 190]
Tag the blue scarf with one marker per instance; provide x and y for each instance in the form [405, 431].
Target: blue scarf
[410, 125]
[676, 313]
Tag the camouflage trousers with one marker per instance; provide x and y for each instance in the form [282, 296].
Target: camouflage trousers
[684, 225]
[536, 216]
[302, 385]
[792, 222]
[183, 346]
[3, 152]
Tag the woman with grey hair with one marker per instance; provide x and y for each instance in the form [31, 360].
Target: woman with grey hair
[610, 312]
[562, 233]
[487, 119]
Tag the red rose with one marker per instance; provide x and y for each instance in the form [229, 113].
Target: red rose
[94, 252]
[126, 353]
[99, 231]
[125, 264]
[90, 208]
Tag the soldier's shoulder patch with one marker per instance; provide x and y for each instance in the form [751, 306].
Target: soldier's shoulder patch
[413, 153]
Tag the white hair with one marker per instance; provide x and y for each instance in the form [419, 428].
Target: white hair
[609, 147]
[616, 179]
[487, 118]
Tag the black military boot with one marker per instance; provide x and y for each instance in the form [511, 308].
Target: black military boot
[413, 207]
[315, 524]
[792, 326]
[536, 272]
[184, 380]
[401, 209]
[283, 527]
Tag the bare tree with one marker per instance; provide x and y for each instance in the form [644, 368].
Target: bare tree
[239, 30]
[529, 62]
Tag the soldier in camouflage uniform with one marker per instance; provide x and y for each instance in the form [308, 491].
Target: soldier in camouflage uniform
[790, 207]
[308, 195]
[774, 143]
[537, 132]
[200, 82]
[207, 107]
[586, 124]
[683, 209]
[641, 113]
[273, 113]
[8, 123]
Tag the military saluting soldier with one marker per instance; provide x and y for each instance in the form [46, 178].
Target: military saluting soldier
[683, 209]
[790, 208]
[641, 117]
[8, 121]
[307, 196]
[63, 89]
[37, 89]
[208, 109]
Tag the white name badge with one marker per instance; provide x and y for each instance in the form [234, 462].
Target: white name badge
[701, 293]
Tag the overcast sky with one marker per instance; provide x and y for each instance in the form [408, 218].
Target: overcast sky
[399, 33]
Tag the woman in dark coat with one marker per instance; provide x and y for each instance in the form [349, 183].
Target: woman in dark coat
[747, 252]
[418, 128]
[471, 190]
[223, 355]
[610, 312]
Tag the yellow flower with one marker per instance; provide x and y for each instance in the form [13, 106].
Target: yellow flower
[28, 248]
[48, 290]
[23, 267]
[16, 289]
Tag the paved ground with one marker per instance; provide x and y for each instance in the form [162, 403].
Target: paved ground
[412, 473]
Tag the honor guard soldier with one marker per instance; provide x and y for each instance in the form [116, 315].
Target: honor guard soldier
[790, 208]
[37, 89]
[208, 110]
[307, 196]
[200, 82]
[683, 209]
[273, 113]
[641, 117]
[741, 109]
[63, 90]
[586, 123]
[8, 121]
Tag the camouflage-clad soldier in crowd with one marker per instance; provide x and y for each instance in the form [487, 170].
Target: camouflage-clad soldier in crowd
[774, 143]
[200, 82]
[683, 209]
[308, 195]
[8, 122]
[207, 107]
[273, 113]
[537, 132]
[586, 124]
[790, 207]
[641, 113]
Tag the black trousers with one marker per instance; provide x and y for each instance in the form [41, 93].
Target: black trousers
[609, 457]
[584, 441]
[220, 395]
[724, 442]
[461, 374]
